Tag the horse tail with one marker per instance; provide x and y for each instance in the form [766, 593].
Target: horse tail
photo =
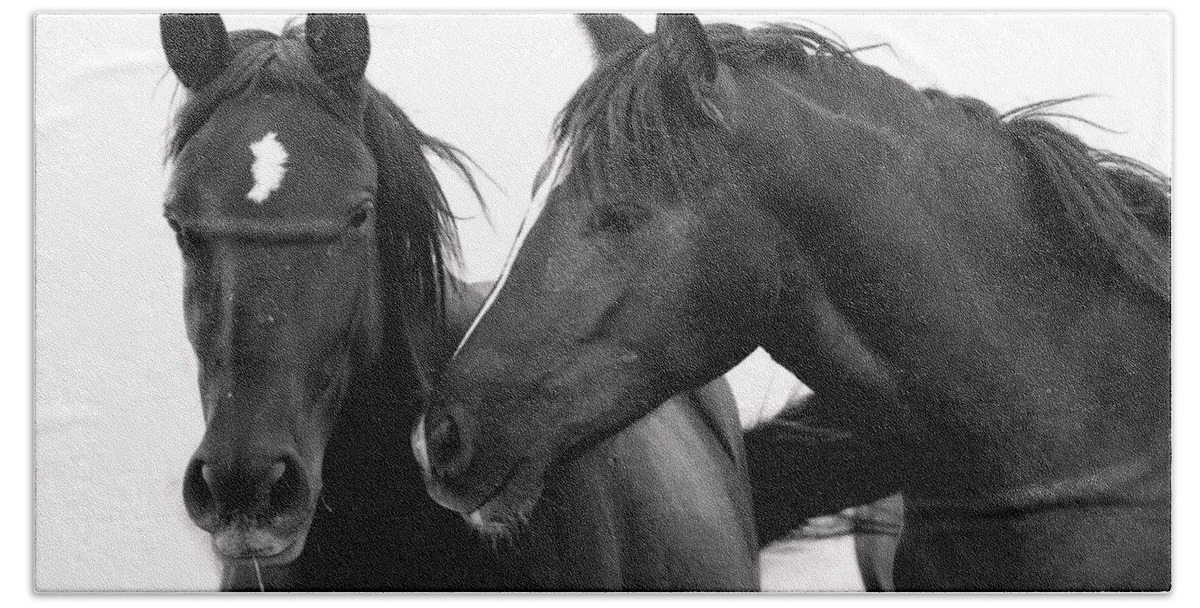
[803, 465]
[1114, 210]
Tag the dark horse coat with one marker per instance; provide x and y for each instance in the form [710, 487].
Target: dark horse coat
[980, 301]
[315, 239]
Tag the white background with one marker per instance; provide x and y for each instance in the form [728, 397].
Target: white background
[117, 413]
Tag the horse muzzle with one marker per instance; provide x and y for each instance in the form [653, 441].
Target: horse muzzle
[255, 507]
[493, 513]
[434, 481]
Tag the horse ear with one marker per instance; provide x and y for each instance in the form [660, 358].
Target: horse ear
[610, 33]
[340, 45]
[197, 46]
[686, 47]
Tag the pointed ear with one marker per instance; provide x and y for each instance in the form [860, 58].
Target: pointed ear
[197, 46]
[686, 48]
[340, 45]
[685, 45]
[610, 33]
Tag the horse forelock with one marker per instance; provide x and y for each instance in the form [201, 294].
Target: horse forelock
[262, 63]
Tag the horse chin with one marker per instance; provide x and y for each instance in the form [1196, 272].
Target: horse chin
[510, 508]
[244, 544]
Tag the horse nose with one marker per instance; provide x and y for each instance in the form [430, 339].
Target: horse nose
[261, 489]
[447, 448]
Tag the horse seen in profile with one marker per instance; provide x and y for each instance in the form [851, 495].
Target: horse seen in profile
[980, 301]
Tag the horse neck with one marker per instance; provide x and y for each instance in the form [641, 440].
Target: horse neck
[869, 151]
[385, 392]
[377, 525]
[371, 432]
[922, 257]
[885, 194]
[828, 141]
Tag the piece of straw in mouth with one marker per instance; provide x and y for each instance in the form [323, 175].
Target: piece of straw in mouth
[258, 573]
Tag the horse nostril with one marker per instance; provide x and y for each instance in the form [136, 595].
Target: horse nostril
[198, 495]
[446, 447]
[287, 487]
[276, 472]
[215, 494]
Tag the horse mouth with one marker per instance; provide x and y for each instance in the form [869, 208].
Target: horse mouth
[506, 505]
[246, 544]
[510, 505]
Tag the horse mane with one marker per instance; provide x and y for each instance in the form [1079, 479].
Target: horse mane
[623, 131]
[1112, 209]
[415, 226]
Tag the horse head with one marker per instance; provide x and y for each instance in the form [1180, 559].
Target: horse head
[273, 203]
[644, 274]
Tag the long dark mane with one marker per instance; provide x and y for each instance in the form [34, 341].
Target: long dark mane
[415, 227]
[1115, 210]
[624, 130]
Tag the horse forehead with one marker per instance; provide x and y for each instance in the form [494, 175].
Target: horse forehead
[269, 157]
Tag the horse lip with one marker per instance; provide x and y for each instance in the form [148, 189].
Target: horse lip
[444, 495]
[289, 549]
[285, 555]
[492, 517]
[486, 526]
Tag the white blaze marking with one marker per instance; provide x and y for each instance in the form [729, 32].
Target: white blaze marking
[418, 446]
[531, 218]
[476, 519]
[268, 168]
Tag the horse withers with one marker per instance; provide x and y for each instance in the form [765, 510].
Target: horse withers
[316, 296]
[980, 301]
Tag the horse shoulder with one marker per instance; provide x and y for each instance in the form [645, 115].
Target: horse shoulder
[677, 478]
[717, 407]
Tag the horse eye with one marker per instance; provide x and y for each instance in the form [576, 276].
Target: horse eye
[619, 219]
[182, 235]
[359, 219]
